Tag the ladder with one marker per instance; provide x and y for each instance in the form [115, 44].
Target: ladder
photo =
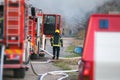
[30, 29]
[13, 23]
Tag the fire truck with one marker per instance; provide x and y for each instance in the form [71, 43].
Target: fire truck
[48, 24]
[13, 37]
[35, 22]
[101, 51]
[19, 32]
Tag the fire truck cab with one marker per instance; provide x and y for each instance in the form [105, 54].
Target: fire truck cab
[101, 51]
[51, 22]
[46, 27]
[41, 27]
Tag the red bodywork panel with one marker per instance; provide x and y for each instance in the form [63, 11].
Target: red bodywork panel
[31, 29]
[14, 23]
[14, 66]
[93, 26]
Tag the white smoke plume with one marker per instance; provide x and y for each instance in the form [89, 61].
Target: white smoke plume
[68, 9]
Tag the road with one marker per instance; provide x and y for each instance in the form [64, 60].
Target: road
[41, 67]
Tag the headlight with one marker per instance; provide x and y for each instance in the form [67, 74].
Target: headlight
[13, 57]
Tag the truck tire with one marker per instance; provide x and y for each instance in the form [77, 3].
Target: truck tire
[19, 73]
[33, 56]
[41, 54]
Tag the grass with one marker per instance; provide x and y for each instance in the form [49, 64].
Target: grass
[70, 48]
[65, 64]
[62, 65]
[73, 55]
[72, 76]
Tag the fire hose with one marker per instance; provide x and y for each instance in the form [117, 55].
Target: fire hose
[58, 73]
[41, 76]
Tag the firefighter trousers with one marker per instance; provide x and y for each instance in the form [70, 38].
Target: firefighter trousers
[56, 51]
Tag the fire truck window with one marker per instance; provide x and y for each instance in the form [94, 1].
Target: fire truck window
[13, 4]
[49, 19]
[58, 19]
[49, 24]
[1, 21]
[103, 23]
[1, 27]
[58, 25]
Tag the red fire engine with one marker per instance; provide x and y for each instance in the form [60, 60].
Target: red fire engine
[50, 23]
[43, 31]
[100, 59]
[34, 33]
[20, 30]
[13, 36]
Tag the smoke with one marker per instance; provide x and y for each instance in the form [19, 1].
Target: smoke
[68, 9]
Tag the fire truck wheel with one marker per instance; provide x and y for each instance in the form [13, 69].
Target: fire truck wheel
[42, 55]
[19, 73]
[33, 56]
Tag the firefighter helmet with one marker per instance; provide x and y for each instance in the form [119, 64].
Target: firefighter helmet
[57, 31]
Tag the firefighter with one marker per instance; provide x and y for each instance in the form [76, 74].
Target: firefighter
[56, 42]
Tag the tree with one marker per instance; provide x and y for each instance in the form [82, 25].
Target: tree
[112, 5]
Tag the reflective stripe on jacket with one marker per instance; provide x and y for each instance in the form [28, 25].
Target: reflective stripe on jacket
[56, 40]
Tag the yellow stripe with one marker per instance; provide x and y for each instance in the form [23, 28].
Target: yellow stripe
[18, 51]
[13, 51]
[8, 51]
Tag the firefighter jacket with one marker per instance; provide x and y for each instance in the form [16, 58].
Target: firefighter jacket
[56, 40]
